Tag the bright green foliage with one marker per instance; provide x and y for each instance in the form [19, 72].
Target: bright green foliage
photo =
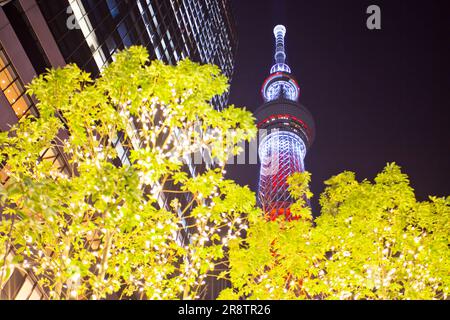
[371, 241]
[102, 229]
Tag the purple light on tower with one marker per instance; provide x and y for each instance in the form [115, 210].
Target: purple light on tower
[288, 132]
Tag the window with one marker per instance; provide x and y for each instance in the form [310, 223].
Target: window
[113, 7]
[111, 45]
[4, 174]
[12, 87]
[54, 156]
[124, 35]
[13, 91]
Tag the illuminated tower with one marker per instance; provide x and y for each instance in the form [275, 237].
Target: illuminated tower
[287, 131]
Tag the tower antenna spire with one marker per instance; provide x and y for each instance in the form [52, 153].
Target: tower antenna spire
[280, 51]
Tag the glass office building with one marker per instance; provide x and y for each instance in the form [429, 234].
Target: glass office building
[88, 32]
[39, 34]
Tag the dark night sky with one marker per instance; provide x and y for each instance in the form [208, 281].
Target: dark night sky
[376, 96]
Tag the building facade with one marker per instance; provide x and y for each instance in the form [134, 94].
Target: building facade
[287, 132]
[40, 34]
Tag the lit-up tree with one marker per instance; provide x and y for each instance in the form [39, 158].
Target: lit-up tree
[371, 241]
[108, 230]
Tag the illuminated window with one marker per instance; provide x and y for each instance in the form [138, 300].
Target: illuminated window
[4, 174]
[88, 32]
[122, 151]
[12, 87]
[6, 77]
[22, 105]
[55, 157]
[13, 91]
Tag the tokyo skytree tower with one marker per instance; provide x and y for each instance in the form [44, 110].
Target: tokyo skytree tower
[288, 132]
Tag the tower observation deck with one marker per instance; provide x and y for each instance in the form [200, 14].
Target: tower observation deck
[287, 132]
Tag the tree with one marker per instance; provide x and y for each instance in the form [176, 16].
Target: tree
[104, 229]
[371, 241]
